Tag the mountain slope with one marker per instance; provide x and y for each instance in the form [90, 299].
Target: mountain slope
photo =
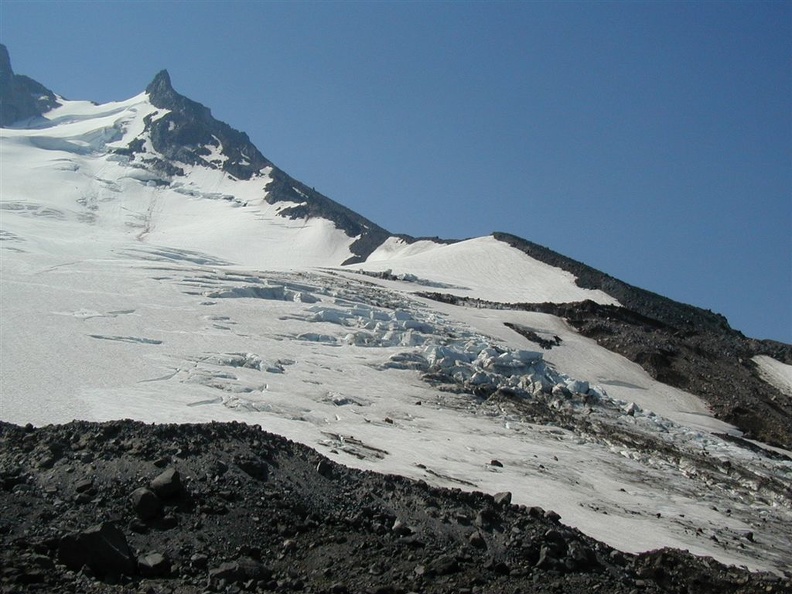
[250, 511]
[683, 346]
[155, 266]
[680, 345]
[189, 134]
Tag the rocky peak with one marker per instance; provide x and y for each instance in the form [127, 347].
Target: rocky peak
[160, 84]
[185, 134]
[21, 97]
[162, 94]
[6, 72]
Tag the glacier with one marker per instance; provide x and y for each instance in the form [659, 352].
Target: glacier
[131, 290]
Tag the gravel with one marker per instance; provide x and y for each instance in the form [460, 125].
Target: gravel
[225, 507]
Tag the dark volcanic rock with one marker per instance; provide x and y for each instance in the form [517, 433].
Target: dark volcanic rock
[21, 97]
[241, 570]
[167, 484]
[146, 503]
[183, 134]
[298, 530]
[103, 548]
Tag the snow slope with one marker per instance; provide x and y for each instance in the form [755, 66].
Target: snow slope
[62, 172]
[126, 293]
[777, 373]
[482, 268]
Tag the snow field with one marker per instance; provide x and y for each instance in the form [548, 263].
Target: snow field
[150, 337]
[776, 373]
[125, 294]
[484, 268]
[64, 170]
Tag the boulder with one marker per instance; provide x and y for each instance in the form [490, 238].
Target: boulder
[167, 484]
[153, 565]
[102, 548]
[146, 503]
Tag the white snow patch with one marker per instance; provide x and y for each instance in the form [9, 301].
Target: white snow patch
[775, 373]
[483, 268]
[395, 247]
[216, 155]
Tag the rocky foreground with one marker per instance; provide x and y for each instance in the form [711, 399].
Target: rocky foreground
[128, 507]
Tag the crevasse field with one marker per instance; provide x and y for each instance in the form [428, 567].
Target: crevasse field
[123, 296]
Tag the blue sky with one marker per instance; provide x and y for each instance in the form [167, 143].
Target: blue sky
[650, 140]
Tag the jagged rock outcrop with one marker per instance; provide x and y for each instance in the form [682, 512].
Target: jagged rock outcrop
[21, 97]
[186, 133]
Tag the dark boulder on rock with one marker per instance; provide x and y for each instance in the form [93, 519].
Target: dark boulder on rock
[102, 548]
[146, 503]
[241, 570]
[167, 484]
[444, 565]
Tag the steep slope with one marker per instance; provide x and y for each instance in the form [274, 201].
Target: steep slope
[480, 267]
[680, 345]
[160, 168]
[229, 508]
[187, 133]
[155, 266]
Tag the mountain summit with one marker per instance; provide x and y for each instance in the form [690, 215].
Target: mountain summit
[21, 97]
[162, 94]
[157, 267]
[187, 133]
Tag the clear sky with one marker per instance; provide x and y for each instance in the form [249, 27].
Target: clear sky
[652, 141]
